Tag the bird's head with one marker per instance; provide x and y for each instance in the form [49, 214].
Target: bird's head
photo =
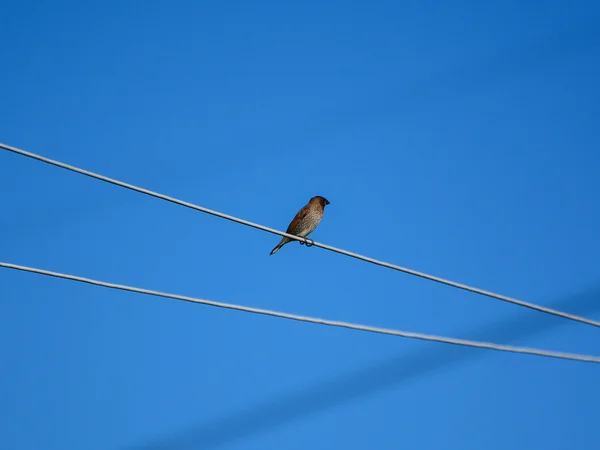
[320, 201]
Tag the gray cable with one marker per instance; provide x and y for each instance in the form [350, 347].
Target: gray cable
[317, 244]
[267, 312]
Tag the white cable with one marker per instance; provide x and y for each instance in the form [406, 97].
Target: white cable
[317, 244]
[406, 334]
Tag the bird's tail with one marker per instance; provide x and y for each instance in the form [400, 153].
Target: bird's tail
[281, 244]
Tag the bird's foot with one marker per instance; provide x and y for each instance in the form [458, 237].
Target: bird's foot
[309, 242]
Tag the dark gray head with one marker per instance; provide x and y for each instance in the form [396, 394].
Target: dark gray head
[320, 201]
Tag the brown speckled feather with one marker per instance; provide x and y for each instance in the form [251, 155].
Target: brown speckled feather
[300, 216]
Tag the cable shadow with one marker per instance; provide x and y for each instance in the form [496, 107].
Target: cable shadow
[479, 71]
[336, 391]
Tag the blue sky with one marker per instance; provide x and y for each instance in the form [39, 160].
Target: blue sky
[460, 139]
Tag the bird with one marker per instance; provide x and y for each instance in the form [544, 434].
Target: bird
[306, 220]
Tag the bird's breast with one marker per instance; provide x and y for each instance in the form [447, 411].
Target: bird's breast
[308, 224]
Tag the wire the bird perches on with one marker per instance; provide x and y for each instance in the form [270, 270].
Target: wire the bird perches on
[312, 243]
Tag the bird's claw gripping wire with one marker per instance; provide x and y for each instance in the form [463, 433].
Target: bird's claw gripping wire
[308, 242]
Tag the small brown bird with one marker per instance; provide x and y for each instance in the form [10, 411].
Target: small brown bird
[305, 221]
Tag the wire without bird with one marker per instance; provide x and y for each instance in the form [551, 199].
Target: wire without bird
[333, 323]
[305, 240]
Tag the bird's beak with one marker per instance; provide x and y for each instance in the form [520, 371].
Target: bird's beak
[327, 202]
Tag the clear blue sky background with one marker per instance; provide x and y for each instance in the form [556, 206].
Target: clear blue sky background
[456, 138]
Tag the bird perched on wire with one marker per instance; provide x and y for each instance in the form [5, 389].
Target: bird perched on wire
[306, 221]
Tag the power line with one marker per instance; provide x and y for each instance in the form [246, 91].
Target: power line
[317, 244]
[333, 323]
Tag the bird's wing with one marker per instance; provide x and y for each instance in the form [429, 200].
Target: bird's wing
[296, 221]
